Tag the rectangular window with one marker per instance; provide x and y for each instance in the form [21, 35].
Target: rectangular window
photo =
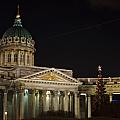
[3, 60]
[15, 57]
[9, 57]
[21, 58]
[28, 59]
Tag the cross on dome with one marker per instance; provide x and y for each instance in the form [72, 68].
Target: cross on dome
[18, 12]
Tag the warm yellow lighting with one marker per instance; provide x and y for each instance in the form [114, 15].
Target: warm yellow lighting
[48, 93]
[26, 90]
[68, 93]
[116, 93]
[5, 113]
[83, 94]
[59, 93]
[99, 68]
[51, 77]
[18, 13]
[17, 16]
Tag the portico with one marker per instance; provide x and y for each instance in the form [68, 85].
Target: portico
[35, 94]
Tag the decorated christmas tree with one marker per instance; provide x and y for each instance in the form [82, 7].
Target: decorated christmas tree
[100, 98]
[100, 90]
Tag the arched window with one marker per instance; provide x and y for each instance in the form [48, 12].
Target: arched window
[15, 57]
[9, 57]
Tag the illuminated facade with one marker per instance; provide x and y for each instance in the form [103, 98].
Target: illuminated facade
[27, 91]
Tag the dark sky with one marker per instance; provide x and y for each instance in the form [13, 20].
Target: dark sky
[77, 35]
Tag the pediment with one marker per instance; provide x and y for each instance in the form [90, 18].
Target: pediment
[51, 75]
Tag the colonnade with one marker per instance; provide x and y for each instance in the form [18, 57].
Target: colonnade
[11, 57]
[27, 104]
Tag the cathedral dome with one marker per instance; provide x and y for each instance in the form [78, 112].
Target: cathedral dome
[17, 45]
[17, 35]
[18, 31]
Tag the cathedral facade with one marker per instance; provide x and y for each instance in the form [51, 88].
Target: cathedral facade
[27, 91]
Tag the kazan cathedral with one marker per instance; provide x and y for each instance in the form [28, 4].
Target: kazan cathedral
[27, 91]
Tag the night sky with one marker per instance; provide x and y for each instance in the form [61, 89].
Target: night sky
[77, 35]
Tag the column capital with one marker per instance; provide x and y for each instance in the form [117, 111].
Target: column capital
[5, 90]
[89, 95]
[66, 92]
[110, 93]
[21, 90]
[44, 92]
[77, 93]
[55, 93]
[71, 92]
[31, 91]
[40, 91]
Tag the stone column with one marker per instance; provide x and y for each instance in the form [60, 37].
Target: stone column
[86, 106]
[44, 101]
[61, 101]
[50, 101]
[3, 58]
[5, 110]
[71, 103]
[33, 59]
[77, 105]
[32, 104]
[55, 101]
[30, 58]
[6, 58]
[66, 101]
[89, 106]
[37, 103]
[110, 97]
[25, 52]
[15, 105]
[21, 95]
[40, 102]
[58, 98]
[12, 57]
[0, 58]
[19, 57]
[47, 105]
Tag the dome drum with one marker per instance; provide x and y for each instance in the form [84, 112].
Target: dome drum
[16, 57]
